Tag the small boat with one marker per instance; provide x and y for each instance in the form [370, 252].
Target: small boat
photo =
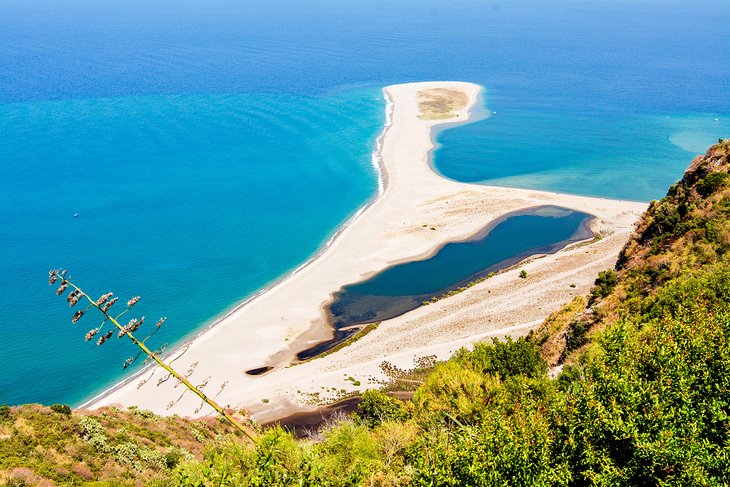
[76, 215]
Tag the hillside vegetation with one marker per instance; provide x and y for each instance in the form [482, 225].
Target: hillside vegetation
[641, 394]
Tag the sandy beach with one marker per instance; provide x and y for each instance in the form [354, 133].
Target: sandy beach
[272, 327]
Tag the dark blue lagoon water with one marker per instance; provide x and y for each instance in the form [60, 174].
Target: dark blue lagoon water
[211, 147]
[403, 287]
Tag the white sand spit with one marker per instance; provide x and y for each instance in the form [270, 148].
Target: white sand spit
[289, 317]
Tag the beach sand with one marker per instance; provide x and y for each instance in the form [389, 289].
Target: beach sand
[271, 328]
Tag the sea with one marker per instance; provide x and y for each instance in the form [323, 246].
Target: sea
[193, 153]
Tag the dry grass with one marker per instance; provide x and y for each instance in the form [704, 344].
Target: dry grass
[111, 446]
[441, 103]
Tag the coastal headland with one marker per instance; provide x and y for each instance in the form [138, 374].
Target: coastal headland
[415, 213]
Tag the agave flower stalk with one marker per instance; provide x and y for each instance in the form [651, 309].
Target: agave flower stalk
[103, 304]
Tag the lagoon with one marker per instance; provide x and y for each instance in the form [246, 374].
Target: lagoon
[406, 286]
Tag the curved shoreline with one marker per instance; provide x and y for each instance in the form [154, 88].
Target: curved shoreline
[382, 179]
[283, 318]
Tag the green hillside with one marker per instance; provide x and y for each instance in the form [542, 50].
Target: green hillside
[627, 386]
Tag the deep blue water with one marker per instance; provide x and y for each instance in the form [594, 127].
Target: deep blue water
[210, 147]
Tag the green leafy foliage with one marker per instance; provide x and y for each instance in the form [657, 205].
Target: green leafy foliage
[576, 336]
[64, 409]
[4, 412]
[504, 358]
[40, 445]
[604, 284]
[377, 407]
[713, 182]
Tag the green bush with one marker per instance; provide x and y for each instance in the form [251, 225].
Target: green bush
[652, 408]
[712, 182]
[349, 454]
[377, 407]
[570, 375]
[604, 284]
[576, 336]
[173, 459]
[61, 409]
[93, 432]
[455, 393]
[5, 412]
[504, 358]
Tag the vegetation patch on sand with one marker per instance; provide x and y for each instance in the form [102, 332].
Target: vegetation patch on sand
[440, 103]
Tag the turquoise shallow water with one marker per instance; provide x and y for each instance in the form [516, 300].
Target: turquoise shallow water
[192, 201]
[614, 155]
[209, 148]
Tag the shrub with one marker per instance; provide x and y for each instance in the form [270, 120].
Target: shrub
[504, 358]
[571, 374]
[576, 336]
[712, 182]
[377, 407]
[64, 409]
[349, 454]
[128, 454]
[278, 459]
[146, 414]
[455, 392]
[4, 412]
[93, 432]
[523, 274]
[172, 459]
[653, 406]
[604, 284]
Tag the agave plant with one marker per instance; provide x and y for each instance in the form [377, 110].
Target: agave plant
[104, 304]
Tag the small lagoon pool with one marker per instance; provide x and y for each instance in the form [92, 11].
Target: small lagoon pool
[404, 287]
